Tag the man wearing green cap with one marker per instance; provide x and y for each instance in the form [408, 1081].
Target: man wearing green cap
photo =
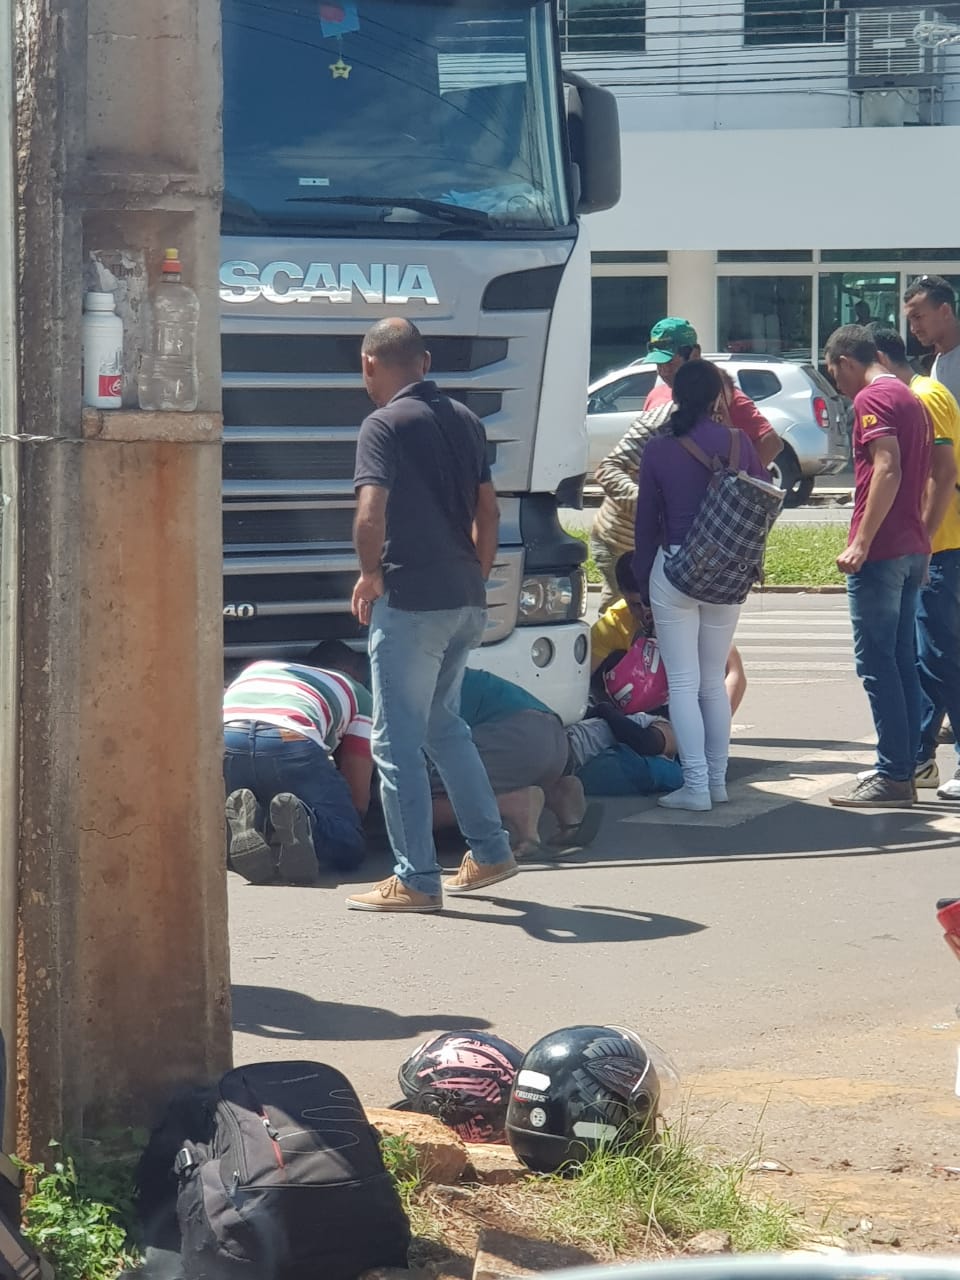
[673, 342]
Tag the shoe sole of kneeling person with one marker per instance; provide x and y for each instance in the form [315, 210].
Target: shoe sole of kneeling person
[250, 856]
[290, 819]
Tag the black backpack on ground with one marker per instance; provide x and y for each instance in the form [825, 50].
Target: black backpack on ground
[272, 1174]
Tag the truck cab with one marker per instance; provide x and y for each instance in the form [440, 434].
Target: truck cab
[420, 158]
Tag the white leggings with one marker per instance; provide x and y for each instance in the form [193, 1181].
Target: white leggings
[694, 639]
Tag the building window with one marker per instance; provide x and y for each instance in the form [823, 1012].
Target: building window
[890, 255]
[765, 315]
[792, 22]
[625, 309]
[858, 297]
[603, 26]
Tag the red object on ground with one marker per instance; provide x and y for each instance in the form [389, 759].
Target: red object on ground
[949, 918]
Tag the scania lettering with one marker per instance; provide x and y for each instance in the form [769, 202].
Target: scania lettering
[425, 158]
[245, 282]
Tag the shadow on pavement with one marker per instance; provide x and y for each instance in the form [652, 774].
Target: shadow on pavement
[281, 1014]
[798, 829]
[548, 923]
[796, 744]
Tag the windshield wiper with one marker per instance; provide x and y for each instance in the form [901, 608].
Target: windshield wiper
[457, 213]
[242, 211]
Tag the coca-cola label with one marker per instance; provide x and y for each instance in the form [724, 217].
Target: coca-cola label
[110, 385]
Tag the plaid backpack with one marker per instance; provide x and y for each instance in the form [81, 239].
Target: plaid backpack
[722, 555]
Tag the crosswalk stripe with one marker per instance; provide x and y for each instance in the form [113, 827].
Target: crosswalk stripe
[791, 624]
[813, 650]
[772, 643]
[808, 667]
[822, 678]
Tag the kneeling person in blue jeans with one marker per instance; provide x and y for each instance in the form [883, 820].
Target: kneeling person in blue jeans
[287, 727]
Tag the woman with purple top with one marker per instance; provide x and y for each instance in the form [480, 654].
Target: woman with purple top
[694, 636]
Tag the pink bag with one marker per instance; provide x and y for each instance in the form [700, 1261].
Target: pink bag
[639, 680]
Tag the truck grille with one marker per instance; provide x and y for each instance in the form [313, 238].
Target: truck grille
[295, 352]
[297, 524]
[289, 459]
[306, 599]
[292, 406]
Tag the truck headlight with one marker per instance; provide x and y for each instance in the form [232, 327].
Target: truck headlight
[547, 597]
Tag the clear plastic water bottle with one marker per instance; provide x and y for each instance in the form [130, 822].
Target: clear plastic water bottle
[168, 369]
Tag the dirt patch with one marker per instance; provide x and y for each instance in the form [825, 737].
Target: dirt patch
[868, 1153]
[914, 1209]
[459, 1214]
[910, 1210]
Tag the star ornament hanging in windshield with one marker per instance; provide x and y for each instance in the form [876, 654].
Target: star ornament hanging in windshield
[340, 70]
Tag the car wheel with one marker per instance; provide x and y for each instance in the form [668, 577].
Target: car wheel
[785, 472]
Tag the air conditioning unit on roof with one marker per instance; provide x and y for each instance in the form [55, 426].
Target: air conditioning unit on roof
[883, 53]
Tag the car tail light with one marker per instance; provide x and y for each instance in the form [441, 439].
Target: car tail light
[821, 412]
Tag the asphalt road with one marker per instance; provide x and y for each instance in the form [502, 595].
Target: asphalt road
[785, 952]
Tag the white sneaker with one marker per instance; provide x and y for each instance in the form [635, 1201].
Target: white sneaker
[927, 774]
[951, 788]
[699, 801]
[718, 793]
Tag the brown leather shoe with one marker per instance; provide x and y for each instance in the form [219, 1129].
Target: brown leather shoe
[393, 895]
[477, 875]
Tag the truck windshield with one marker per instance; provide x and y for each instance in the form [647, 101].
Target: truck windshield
[392, 117]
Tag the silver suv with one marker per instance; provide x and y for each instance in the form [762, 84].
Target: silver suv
[803, 408]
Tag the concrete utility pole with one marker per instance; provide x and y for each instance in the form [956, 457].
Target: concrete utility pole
[122, 982]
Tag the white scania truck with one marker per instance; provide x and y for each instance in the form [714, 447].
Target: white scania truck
[424, 158]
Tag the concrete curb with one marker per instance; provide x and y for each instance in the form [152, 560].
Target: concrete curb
[830, 589]
[819, 498]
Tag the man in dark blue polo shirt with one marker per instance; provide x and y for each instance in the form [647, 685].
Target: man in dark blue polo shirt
[426, 536]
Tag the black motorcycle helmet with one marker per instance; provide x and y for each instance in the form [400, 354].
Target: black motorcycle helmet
[578, 1089]
[464, 1079]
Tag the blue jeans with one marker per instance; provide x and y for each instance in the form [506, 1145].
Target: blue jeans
[883, 609]
[417, 662]
[938, 648]
[257, 759]
[619, 771]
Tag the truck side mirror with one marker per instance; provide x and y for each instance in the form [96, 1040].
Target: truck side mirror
[593, 126]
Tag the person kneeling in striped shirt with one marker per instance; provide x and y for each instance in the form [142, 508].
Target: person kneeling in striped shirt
[297, 766]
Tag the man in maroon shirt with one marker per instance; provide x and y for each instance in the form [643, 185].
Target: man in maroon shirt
[885, 560]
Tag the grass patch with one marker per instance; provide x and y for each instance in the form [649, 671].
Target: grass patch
[640, 1200]
[591, 570]
[80, 1212]
[798, 555]
[402, 1162]
[661, 1196]
[804, 555]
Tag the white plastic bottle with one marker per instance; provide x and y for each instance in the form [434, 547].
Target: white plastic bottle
[168, 369]
[102, 352]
